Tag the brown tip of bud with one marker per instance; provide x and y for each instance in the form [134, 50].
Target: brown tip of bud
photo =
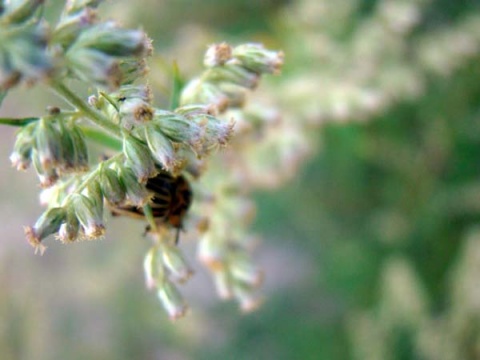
[34, 240]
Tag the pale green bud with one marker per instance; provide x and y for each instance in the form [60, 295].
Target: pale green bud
[138, 158]
[162, 149]
[67, 162]
[48, 144]
[47, 177]
[48, 223]
[233, 74]
[172, 300]
[256, 58]
[153, 268]
[246, 296]
[132, 69]
[112, 188]
[19, 11]
[22, 150]
[235, 94]
[137, 193]
[70, 230]
[91, 65]
[94, 192]
[217, 132]
[80, 148]
[114, 41]
[178, 129]
[71, 26]
[212, 252]
[149, 268]
[201, 92]
[243, 269]
[223, 283]
[24, 56]
[90, 215]
[176, 263]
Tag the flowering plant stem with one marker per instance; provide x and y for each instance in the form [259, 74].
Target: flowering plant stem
[95, 116]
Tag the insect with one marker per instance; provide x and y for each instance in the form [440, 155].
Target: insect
[170, 202]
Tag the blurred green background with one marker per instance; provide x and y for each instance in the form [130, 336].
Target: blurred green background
[371, 250]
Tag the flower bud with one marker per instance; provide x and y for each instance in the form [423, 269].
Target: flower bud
[132, 69]
[179, 129]
[48, 144]
[217, 132]
[235, 94]
[71, 26]
[138, 158]
[90, 215]
[112, 188]
[48, 223]
[22, 150]
[242, 269]
[161, 149]
[153, 268]
[172, 300]
[135, 111]
[80, 148]
[94, 192]
[69, 231]
[17, 12]
[176, 263]
[245, 295]
[256, 58]
[211, 252]
[201, 92]
[91, 65]
[223, 283]
[137, 193]
[217, 55]
[114, 41]
[25, 52]
[233, 74]
[67, 162]
[47, 177]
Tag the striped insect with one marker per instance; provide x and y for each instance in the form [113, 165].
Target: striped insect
[172, 197]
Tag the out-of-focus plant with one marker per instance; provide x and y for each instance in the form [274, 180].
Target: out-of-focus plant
[154, 154]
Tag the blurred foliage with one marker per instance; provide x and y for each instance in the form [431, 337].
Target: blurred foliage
[372, 251]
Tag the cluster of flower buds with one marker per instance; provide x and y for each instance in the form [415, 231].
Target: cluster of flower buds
[155, 137]
[149, 140]
[225, 245]
[97, 53]
[76, 205]
[100, 53]
[23, 54]
[164, 265]
[230, 73]
[55, 147]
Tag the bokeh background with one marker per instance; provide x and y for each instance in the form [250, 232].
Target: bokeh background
[371, 245]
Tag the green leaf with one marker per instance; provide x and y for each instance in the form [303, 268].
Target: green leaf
[177, 87]
[17, 122]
